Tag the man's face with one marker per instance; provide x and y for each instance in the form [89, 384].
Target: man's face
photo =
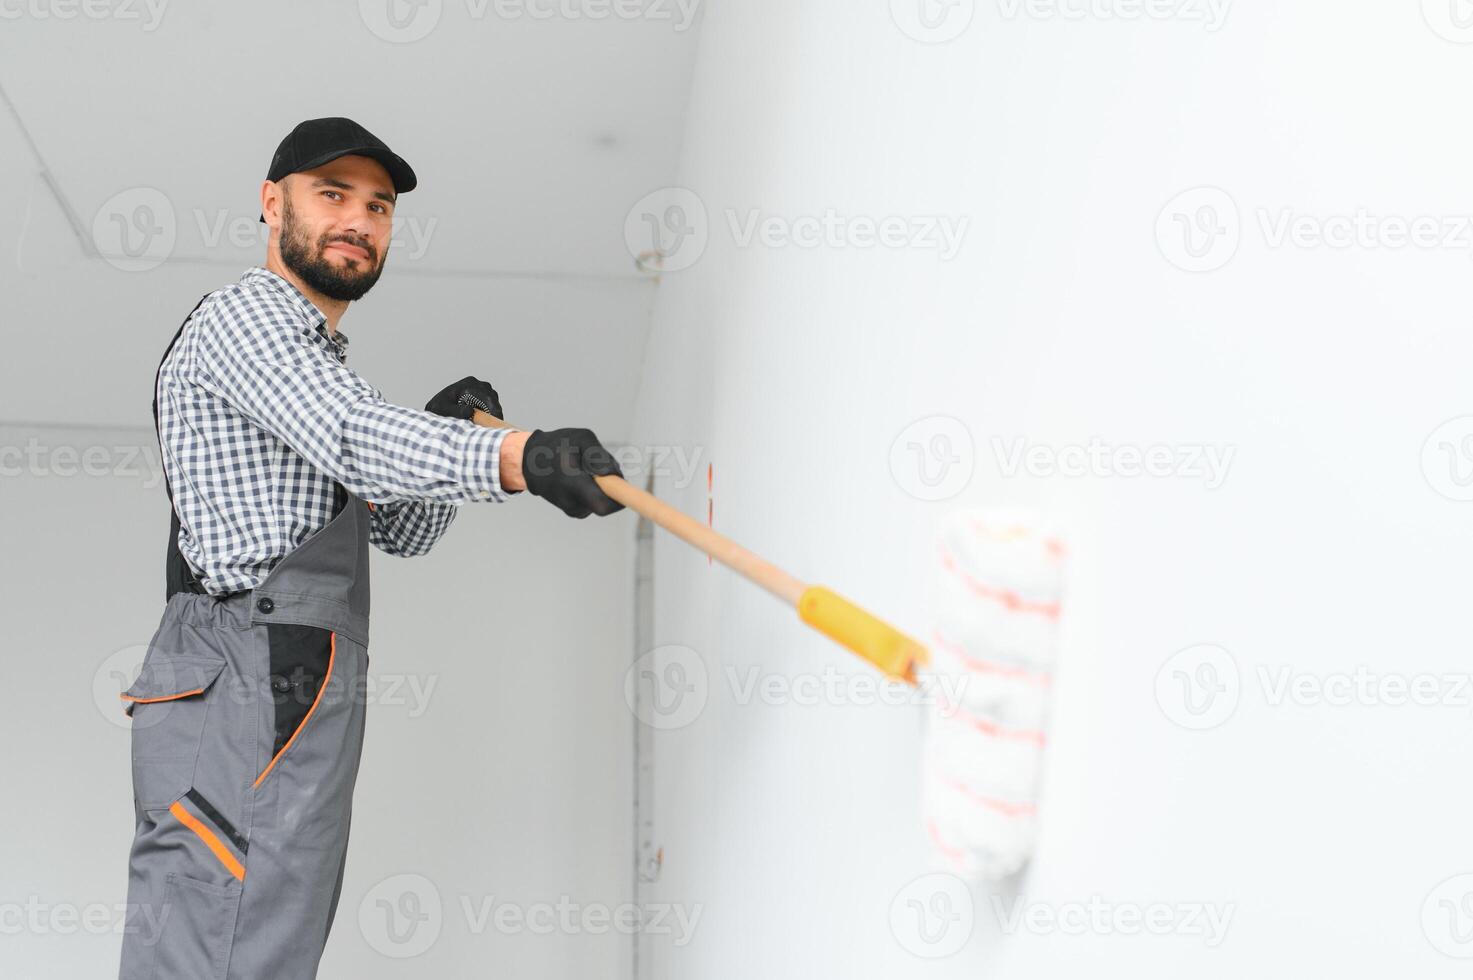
[336, 221]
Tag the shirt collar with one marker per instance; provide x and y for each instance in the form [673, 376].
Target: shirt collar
[336, 339]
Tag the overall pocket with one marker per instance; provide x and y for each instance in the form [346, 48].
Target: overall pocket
[168, 706]
[302, 661]
[197, 930]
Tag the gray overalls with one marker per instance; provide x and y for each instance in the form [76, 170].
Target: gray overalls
[247, 731]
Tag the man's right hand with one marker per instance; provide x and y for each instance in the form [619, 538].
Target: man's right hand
[560, 465]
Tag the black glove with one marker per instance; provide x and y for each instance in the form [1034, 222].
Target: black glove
[560, 465]
[466, 395]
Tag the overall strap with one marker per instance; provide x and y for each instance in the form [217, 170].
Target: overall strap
[178, 575]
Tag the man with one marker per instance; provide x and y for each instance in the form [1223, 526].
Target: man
[283, 466]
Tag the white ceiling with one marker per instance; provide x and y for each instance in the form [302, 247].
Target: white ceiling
[532, 138]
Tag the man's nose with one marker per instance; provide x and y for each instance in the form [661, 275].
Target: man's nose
[361, 223]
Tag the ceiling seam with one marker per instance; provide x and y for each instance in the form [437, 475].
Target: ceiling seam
[52, 426]
[87, 246]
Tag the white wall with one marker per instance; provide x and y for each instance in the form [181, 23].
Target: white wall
[496, 763]
[1320, 829]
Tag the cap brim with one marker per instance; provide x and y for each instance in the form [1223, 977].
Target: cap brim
[400, 172]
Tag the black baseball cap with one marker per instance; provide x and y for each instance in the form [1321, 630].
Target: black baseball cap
[316, 141]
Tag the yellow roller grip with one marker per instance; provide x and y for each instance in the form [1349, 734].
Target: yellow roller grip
[872, 638]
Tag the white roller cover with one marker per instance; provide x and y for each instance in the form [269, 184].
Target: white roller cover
[997, 600]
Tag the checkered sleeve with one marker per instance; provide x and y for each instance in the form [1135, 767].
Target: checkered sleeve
[410, 529]
[255, 354]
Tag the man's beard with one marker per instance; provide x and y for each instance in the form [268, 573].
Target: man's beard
[311, 264]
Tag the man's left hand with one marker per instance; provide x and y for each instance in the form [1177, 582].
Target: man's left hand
[459, 400]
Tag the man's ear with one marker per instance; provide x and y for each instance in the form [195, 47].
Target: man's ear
[271, 195]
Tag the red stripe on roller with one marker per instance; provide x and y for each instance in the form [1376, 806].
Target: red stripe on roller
[993, 729]
[1043, 679]
[1004, 807]
[1009, 599]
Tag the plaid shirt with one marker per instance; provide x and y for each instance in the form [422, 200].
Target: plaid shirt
[259, 419]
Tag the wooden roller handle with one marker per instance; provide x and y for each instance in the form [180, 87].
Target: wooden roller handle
[693, 532]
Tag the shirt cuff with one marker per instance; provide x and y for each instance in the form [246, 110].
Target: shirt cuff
[483, 463]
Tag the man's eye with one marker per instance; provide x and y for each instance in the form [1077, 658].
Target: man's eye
[329, 192]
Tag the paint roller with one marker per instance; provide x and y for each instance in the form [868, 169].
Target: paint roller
[895, 654]
[998, 587]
